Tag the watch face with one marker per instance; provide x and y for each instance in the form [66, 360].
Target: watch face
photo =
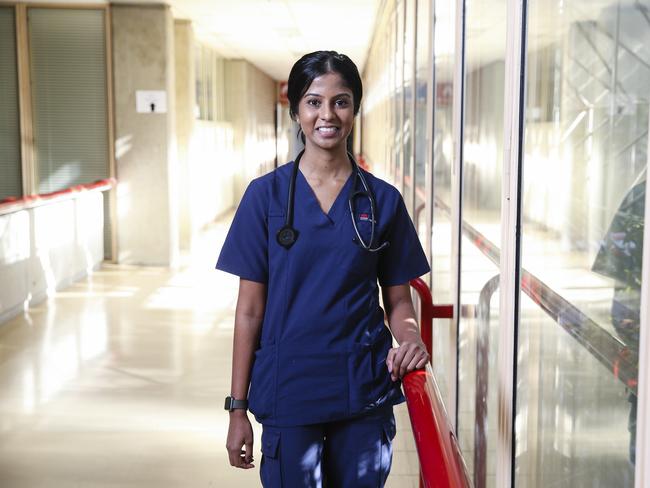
[228, 405]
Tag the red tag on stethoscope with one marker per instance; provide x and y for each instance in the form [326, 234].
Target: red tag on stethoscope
[364, 217]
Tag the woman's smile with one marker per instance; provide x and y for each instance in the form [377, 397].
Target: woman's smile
[327, 131]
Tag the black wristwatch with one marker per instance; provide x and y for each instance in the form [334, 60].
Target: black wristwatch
[232, 404]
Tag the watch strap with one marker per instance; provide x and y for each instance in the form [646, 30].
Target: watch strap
[234, 404]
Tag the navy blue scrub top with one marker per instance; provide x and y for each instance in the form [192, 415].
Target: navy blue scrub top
[323, 346]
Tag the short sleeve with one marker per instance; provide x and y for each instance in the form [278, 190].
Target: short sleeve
[404, 258]
[244, 252]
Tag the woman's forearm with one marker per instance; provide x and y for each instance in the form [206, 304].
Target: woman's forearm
[248, 325]
[401, 314]
[245, 342]
[403, 324]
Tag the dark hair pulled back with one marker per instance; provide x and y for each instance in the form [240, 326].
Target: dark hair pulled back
[319, 63]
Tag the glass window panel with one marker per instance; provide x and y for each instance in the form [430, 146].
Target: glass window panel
[423, 70]
[209, 84]
[198, 82]
[68, 73]
[409, 116]
[585, 159]
[398, 99]
[210, 67]
[391, 42]
[481, 208]
[377, 100]
[220, 89]
[10, 163]
[442, 276]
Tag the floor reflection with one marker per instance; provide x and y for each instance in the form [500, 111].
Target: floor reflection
[119, 380]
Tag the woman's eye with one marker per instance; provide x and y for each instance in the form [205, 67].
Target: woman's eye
[341, 103]
[313, 102]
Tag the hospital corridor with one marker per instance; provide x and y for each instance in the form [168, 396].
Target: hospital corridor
[451, 193]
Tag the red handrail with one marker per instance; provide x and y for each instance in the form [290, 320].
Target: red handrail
[441, 463]
[10, 205]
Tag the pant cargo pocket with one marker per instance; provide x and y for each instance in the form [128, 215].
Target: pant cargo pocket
[270, 469]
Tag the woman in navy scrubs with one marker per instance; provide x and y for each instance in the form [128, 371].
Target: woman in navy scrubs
[312, 242]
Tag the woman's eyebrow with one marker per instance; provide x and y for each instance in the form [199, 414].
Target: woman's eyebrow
[320, 96]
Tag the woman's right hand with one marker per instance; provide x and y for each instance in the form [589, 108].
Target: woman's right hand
[240, 434]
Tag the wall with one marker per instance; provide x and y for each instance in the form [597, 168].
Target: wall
[378, 104]
[47, 248]
[250, 108]
[211, 173]
[185, 100]
[233, 140]
[176, 174]
[143, 59]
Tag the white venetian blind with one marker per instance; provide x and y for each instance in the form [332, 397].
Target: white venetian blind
[10, 165]
[68, 74]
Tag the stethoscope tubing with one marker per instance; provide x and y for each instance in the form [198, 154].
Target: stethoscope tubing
[373, 208]
[288, 235]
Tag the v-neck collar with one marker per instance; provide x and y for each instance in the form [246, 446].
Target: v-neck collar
[312, 200]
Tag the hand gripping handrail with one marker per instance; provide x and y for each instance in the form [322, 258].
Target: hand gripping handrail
[11, 205]
[441, 463]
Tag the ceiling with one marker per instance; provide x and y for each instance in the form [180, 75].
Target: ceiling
[273, 34]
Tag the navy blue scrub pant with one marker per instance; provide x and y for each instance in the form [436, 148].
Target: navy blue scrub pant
[354, 453]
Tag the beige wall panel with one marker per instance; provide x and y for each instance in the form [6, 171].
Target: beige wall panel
[262, 96]
[236, 108]
[250, 107]
[145, 149]
[185, 101]
[211, 172]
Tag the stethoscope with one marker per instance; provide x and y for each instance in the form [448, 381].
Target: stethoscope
[288, 235]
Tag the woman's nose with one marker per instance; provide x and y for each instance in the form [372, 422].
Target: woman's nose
[326, 112]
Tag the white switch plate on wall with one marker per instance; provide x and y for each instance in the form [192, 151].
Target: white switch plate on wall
[151, 101]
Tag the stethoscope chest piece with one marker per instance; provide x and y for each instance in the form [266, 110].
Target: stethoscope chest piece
[287, 236]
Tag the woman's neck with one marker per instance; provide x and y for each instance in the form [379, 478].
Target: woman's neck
[322, 163]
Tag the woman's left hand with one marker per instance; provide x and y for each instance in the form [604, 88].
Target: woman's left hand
[405, 358]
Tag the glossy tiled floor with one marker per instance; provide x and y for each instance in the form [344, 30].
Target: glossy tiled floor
[118, 381]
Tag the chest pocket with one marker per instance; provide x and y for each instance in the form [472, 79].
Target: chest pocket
[353, 258]
[275, 221]
[356, 261]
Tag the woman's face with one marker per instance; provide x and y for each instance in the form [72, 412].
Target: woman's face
[326, 112]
